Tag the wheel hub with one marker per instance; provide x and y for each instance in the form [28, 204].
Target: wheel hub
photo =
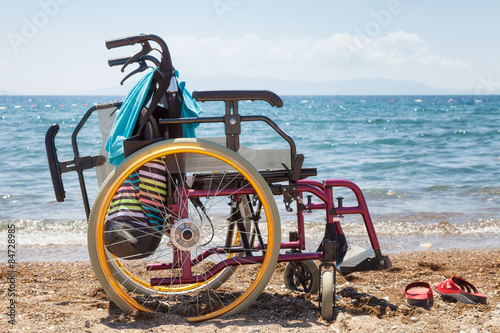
[185, 234]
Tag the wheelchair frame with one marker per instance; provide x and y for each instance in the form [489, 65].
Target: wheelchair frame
[290, 182]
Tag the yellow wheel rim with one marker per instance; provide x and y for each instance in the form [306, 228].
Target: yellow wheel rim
[125, 170]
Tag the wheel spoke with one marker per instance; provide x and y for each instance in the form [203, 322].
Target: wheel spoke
[173, 230]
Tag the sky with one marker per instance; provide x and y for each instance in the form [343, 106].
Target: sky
[56, 47]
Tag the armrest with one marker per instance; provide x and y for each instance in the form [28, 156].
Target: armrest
[238, 95]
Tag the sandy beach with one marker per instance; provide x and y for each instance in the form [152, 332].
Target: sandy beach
[66, 297]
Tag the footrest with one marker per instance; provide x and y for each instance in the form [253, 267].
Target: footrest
[358, 259]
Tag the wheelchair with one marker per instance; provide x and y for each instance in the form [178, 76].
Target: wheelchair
[191, 226]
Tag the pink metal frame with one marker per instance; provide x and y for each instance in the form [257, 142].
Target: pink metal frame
[322, 190]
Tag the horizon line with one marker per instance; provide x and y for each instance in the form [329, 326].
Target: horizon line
[124, 95]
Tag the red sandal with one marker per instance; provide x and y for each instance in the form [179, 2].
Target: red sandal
[419, 294]
[460, 290]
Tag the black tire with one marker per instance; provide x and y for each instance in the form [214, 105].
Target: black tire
[127, 281]
[327, 296]
[302, 276]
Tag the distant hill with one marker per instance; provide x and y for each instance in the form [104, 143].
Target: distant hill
[348, 87]
[363, 86]
[6, 92]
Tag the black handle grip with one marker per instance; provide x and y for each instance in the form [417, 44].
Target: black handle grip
[166, 61]
[122, 61]
[131, 40]
[117, 61]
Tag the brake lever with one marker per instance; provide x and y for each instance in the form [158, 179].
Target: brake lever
[146, 48]
[142, 68]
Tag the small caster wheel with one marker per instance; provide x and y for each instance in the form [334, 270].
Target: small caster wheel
[327, 296]
[302, 276]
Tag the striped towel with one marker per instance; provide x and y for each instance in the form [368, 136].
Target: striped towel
[141, 197]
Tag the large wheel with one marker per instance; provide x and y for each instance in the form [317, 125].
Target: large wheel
[176, 197]
[327, 295]
[128, 281]
[302, 276]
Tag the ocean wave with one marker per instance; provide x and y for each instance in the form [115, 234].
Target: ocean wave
[402, 228]
[47, 232]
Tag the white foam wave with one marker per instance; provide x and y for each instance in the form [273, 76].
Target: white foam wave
[47, 233]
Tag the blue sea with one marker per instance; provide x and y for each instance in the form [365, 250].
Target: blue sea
[429, 167]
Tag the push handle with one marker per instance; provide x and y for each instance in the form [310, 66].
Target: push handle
[166, 61]
[122, 61]
[131, 40]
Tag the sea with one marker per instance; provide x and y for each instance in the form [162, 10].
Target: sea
[429, 167]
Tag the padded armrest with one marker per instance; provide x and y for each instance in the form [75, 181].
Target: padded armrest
[238, 95]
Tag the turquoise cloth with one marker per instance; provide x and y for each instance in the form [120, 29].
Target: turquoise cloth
[126, 119]
[127, 116]
[190, 108]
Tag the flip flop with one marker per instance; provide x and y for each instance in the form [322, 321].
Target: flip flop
[459, 289]
[419, 294]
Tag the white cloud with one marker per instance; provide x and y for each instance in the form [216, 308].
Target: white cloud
[252, 55]
[395, 49]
